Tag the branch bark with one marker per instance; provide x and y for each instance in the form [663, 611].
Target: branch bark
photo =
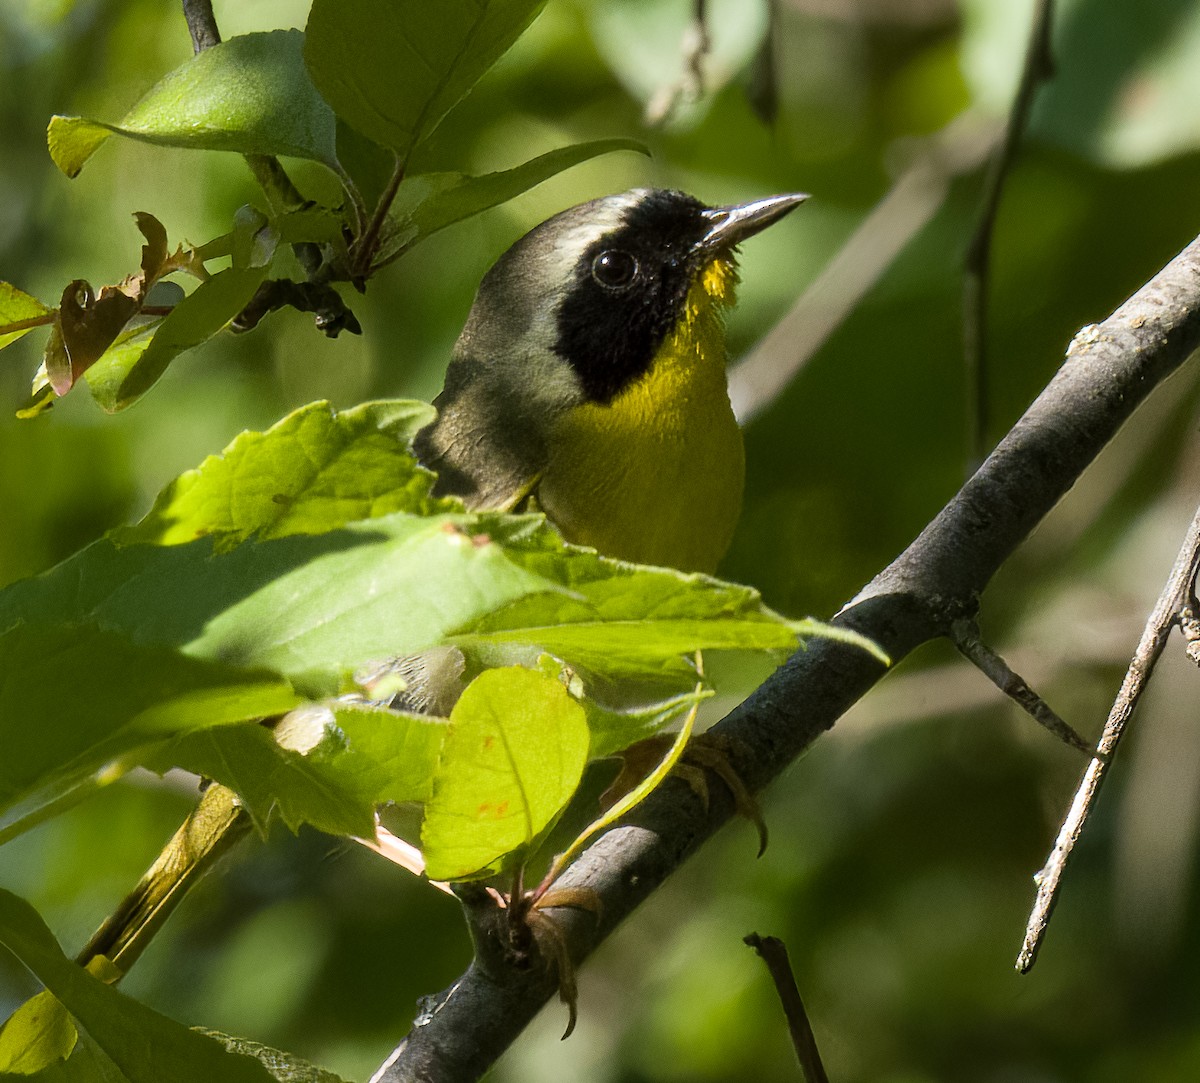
[1110, 368]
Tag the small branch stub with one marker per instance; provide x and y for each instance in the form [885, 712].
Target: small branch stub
[773, 952]
[965, 634]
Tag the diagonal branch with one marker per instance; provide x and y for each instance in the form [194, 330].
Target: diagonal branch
[1169, 611]
[1109, 370]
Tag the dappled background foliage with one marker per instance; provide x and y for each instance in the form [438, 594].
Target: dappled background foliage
[903, 845]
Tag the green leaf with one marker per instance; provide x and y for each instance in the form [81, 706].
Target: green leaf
[392, 69]
[136, 692]
[327, 765]
[134, 364]
[36, 1035]
[512, 759]
[17, 307]
[627, 622]
[1120, 74]
[250, 94]
[313, 471]
[613, 730]
[156, 632]
[428, 202]
[145, 1046]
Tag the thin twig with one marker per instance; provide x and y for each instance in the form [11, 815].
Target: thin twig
[696, 46]
[964, 634]
[368, 244]
[1175, 596]
[1039, 67]
[202, 24]
[30, 323]
[912, 201]
[774, 953]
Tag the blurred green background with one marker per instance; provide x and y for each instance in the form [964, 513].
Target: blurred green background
[903, 846]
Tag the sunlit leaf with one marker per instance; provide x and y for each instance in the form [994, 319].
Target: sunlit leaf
[286, 1067]
[327, 765]
[250, 94]
[512, 759]
[313, 471]
[36, 1035]
[392, 69]
[17, 307]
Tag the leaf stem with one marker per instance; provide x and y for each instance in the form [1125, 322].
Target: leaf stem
[368, 243]
[32, 321]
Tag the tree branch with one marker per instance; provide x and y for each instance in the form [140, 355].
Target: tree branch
[1109, 370]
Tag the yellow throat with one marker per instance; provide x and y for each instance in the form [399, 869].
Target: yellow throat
[656, 476]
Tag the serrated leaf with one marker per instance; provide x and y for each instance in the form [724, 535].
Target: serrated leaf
[613, 729]
[629, 622]
[18, 307]
[392, 69]
[122, 376]
[146, 1047]
[512, 758]
[327, 765]
[313, 471]
[428, 202]
[285, 1067]
[250, 94]
[314, 609]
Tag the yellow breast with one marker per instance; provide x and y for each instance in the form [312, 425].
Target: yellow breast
[656, 476]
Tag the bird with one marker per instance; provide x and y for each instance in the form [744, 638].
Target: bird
[589, 381]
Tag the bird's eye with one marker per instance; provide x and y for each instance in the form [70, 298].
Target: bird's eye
[614, 268]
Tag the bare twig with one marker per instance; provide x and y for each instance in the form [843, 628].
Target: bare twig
[1039, 67]
[202, 24]
[689, 87]
[368, 244]
[774, 953]
[965, 636]
[1109, 370]
[1175, 597]
[915, 197]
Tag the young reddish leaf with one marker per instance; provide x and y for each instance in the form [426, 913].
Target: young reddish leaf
[87, 325]
[128, 374]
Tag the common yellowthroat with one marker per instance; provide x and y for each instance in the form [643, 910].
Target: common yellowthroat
[590, 378]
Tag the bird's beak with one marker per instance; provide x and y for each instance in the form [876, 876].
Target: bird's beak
[731, 225]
